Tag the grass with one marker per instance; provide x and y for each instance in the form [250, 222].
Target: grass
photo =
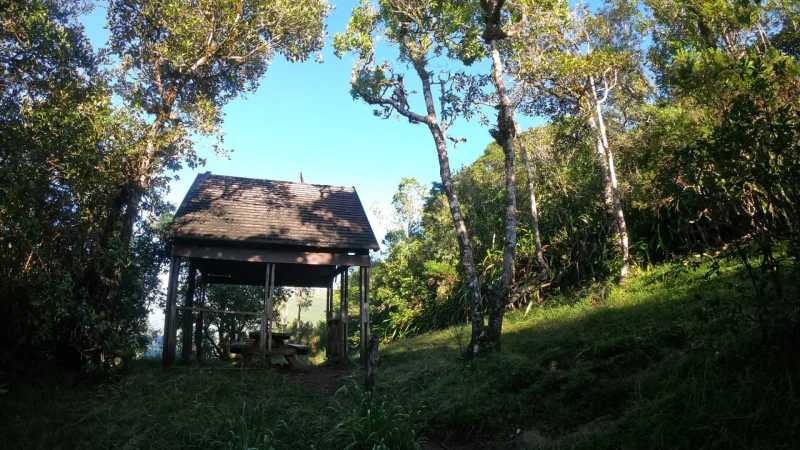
[656, 364]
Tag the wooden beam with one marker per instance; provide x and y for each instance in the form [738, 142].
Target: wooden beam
[338, 271]
[186, 345]
[220, 311]
[168, 340]
[248, 281]
[268, 256]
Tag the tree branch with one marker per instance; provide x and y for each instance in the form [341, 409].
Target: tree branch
[392, 102]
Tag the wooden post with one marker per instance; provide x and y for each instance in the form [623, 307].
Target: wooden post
[168, 339]
[330, 343]
[364, 315]
[372, 364]
[267, 316]
[198, 326]
[343, 323]
[270, 307]
[186, 346]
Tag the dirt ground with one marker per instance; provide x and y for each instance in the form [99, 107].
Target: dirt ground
[323, 379]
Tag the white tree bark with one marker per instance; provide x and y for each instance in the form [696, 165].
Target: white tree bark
[611, 196]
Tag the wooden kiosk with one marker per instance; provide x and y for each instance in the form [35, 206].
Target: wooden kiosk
[247, 231]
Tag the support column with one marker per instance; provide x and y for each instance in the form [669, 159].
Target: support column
[329, 345]
[343, 323]
[267, 316]
[198, 326]
[186, 345]
[364, 315]
[168, 340]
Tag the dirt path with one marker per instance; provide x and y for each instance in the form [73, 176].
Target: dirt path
[325, 380]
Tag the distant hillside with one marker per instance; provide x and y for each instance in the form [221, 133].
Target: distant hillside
[313, 314]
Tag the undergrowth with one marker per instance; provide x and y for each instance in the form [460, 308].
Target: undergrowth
[660, 363]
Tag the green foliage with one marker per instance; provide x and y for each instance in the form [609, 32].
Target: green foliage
[244, 432]
[373, 423]
[709, 162]
[61, 154]
[79, 262]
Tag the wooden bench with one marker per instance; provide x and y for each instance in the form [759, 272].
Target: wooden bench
[280, 347]
[301, 349]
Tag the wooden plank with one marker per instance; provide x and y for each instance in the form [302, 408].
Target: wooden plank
[301, 349]
[168, 344]
[278, 351]
[268, 256]
[253, 281]
[219, 311]
[186, 345]
[275, 335]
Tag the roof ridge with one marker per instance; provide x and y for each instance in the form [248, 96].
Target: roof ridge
[279, 181]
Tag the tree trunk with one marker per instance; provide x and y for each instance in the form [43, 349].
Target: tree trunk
[610, 188]
[544, 268]
[297, 328]
[537, 239]
[372, 364]
[465, 250]
[505, 136]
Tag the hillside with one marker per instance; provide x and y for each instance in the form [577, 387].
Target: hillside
[655, 364]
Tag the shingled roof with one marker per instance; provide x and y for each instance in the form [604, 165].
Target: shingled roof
[223, 208]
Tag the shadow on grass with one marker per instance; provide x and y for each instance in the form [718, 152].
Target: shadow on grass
[654, 365]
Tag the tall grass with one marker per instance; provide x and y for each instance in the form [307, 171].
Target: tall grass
[368, 422]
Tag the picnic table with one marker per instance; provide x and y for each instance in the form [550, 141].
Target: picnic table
[280, 346]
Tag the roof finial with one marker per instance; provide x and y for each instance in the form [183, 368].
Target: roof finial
[301, 178]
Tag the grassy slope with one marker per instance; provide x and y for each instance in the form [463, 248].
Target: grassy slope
[651, 365]
[646, 366]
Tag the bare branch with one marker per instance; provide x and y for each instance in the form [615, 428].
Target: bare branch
[395, 101]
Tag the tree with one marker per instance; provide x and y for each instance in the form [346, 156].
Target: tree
[304, 301]
[421, 30]
[62, 144]
[179, 63]
[575, 64]
[408, 203]
[728, 69]
[498, 24]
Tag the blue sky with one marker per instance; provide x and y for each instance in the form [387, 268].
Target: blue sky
[302, 118]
